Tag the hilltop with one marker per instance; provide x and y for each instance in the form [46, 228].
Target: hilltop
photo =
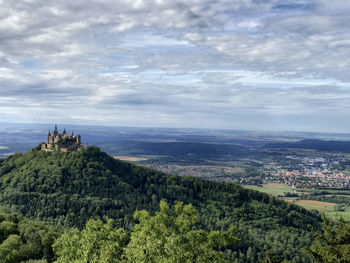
[70, 188]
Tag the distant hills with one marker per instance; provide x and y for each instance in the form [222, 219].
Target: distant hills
[313, 144]
[19, 137]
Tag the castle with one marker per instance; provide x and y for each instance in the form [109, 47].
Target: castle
[62, 142]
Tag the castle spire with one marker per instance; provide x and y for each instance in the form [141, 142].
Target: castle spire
[55, 133]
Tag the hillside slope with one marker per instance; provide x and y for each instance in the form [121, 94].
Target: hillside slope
[70, 188]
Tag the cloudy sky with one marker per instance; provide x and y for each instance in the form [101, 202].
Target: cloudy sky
[237, 64]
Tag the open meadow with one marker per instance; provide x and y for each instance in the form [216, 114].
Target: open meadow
[272, 189]
[129, 158]
[331, 210]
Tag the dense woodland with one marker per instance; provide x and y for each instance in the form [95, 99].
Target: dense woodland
[68, 189]
[320, 145]
[170, 235]
[24, 240]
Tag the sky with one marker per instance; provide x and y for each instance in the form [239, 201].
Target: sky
[227, 64]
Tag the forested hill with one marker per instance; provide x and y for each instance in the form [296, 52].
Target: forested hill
[70, 188]
[320, 145]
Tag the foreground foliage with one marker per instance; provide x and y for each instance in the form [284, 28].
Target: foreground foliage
[23, 240]
[168, 236]
[171, 235]
[96, 243]
[332, 245]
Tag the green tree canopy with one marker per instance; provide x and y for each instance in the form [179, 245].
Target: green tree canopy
[333, 244]
[97, 243]
[170, 236]
[24, 240]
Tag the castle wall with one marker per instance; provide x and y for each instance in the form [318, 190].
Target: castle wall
[50, 139]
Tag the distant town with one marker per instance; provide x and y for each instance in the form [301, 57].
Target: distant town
[324, 170]
[304, 172]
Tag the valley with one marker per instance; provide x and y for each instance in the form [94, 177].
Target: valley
[231, 177]
[251, 159]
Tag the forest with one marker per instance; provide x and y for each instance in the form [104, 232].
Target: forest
[77, 193]
[320, 145]
[170, 235]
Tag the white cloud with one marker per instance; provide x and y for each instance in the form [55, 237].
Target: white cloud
[175, 63]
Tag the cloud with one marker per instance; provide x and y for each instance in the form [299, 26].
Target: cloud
[231, 64]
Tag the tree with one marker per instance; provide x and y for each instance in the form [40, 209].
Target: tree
[24, 240]
[170, 236]
[333, 244]
[97, 243]
[272, 256]
[11, 250]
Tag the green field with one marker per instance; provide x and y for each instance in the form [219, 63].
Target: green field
[338, 214]
[322, 207]
[329, 209]
[4, 148]
[272, 189]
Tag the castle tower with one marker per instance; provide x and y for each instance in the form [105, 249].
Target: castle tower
[78, 139]
[48, 137]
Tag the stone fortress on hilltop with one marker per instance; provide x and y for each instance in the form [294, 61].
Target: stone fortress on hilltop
[62, 142]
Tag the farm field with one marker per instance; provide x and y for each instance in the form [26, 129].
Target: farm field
[322, 207]
[130, 158]
[272, 189]
[331, 210]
